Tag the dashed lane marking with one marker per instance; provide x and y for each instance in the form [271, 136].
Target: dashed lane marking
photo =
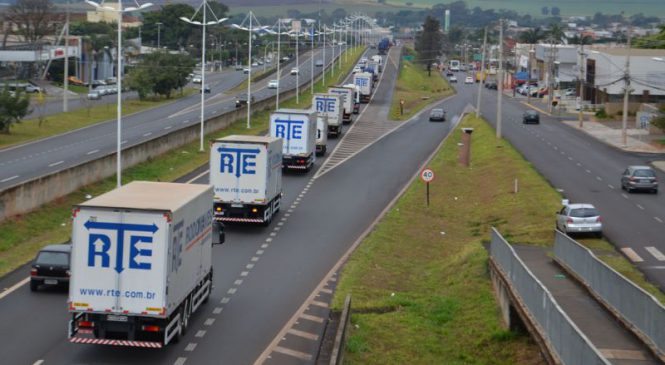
[190, 347]
[244, 273]
[294, 353]
[217, 310]
[56, 163]
[639, 206]
[180, 361]
[631, 254]
[320, 304]
[238, 282]
[147, 134]
[303, 334]
[658, 219]
[655, 253]
[9, 178]
[91, 152]
[209, 322]
[225, 300]
[610, 186]
[232, 291]
[312, 318]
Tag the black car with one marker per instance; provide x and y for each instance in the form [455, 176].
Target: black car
[531, 116]
[51, 267]
[491, 85]
[206, 89]
[437, 114]
[242, 101]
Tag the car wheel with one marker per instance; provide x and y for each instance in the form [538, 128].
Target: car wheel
[34, 285]
[655, 191]
[599, 234]
[629, 190]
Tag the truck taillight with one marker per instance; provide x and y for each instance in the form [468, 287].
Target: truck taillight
[33, 272]
[254, 210]
[68, 273]
[218, 209]
[86, 324]
[150, 328]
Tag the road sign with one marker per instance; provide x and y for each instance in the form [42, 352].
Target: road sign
[427, 175]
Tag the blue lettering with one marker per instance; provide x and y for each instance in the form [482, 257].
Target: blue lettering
[238, 161]
[326, 105]
[105, 239]
[288, 129]
[137, 252]
[102, 252]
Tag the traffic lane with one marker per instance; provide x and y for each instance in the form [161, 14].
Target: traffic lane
[624, 224]
[320, 229]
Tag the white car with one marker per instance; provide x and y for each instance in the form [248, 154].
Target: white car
[254, 64]
[94, 95]
[273, 84]
[197, 79]
[468, 80]
[245, 70]
[357, 69]
[453, 79]
[295, 71]
[33, 89]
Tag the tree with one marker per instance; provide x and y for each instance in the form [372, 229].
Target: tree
[32, 19]
[555, 34]
[531, 36]
[160, 73]
[583, 40]
[174, 33]
[13, 107]
[652, 41]
[545, 10]
[555, 11]
[429, 42]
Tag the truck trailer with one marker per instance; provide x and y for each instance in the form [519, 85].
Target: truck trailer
[321, 135]
[297, 129]
[356, 97]
[347, 101]
[330, 107]
[246, 173]
[363, 80]
[141, 263]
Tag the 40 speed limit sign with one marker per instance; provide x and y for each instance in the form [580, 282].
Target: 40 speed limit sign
[427, 175]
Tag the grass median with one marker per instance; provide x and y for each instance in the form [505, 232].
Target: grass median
[419, 281]
[22, 236]
[34, 129]
[417, 90]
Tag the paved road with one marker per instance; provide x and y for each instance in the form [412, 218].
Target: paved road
[262, 275]
[587, 170]
[49, 155]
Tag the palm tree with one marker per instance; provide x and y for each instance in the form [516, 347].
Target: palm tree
[583, 40]
[555, 34]
[531, 36]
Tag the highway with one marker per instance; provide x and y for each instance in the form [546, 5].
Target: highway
[588, 171]
[31, 160]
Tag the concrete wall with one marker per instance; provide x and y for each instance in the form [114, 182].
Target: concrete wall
[34, 193]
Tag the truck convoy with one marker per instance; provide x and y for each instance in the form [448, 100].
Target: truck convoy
[356, 97]
[246, 173]
[363, 80]
[347, 101]
[141, 263]
[329, 106]
[297, 129]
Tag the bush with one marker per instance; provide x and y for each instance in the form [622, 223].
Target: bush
[601, 113]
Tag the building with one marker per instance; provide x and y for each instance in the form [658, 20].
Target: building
[605, 70]
[558, 62]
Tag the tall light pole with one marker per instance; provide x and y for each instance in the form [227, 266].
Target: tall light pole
[482, 74]
[626, 93]
[499, 105]
[159, 34]
[203, 8]
[65, 95]
[119, 10]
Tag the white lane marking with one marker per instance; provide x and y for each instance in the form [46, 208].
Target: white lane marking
[249, 266]
[579, 164]
[624, 195]
[9, 178]
[56, 163]
[265, 245]
[610, 186]
[254, 259]
[147, 134]
[588, 171]
[38, 362]
[312, 318]
[14, 287]
[639, 206]
[180, 361]
[294, 353]
[185, 121]
[91, 152]
[225, 300]
[123, 142]
[200, 333]
[244, 273]
[632, 255]
[303, 334]
[658, 219]
[599, 178]
[232, 291]
[656, 253]
[570, 158]
[197, 177]
[259, 252]
[209, 322]
[167, 128]
[237, 282]
[190, 347]
[217, 310]
[269, 239]
[319, 304]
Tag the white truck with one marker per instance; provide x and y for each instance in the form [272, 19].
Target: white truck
[347, 101]
[373, 68]
[246, 173]
[141, 263]
[363, 80]
[329, 106]
[297, 129]
[356, 97]
[321, 135]
[379, 60]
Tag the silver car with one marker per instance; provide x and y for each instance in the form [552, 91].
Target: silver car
[579, 218]
[639, 178]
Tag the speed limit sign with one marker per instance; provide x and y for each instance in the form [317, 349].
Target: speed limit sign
[427, 175]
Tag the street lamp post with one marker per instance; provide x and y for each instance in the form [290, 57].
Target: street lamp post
[159, 34]
[119, 10]
[203, 8]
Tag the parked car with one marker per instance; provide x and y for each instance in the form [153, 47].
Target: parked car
[295, 71]
[51, 267]
[639, 178]
[468, 80]
[94, 95]
[531, 116]
[273, 84]
[318, 63]
[453, 79]
[241, 100]
[579, 218]
[570, 92]
[206, 89]
[437, 114]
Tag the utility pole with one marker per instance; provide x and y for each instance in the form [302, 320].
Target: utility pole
[482, 74]
[65, 96]
[500, 82]
[626, 93]
[581, 77]
[528, 83]
[159, 35]
[279, 55]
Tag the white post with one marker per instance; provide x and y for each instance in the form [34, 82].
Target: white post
[332, 49]
[482, 74]
[298, 66]
[279, 59]
[626, 94]
[325, 64]
[311, 63]
[580, 115]
[65, 95]
[119, 111]
[500, 83]
[203, 73]
[249, 76]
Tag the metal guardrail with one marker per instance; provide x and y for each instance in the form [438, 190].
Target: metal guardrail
[570, 345]
[639, 310]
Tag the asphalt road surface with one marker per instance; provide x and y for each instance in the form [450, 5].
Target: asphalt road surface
[263, 275]
[31, 160]
[588, 171]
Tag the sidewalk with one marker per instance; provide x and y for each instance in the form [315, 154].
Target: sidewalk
[611, 338]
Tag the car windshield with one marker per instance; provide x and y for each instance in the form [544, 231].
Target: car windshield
[583, 213]
[53, 258]
[437, 111]
[644, 173]
[531, 113]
